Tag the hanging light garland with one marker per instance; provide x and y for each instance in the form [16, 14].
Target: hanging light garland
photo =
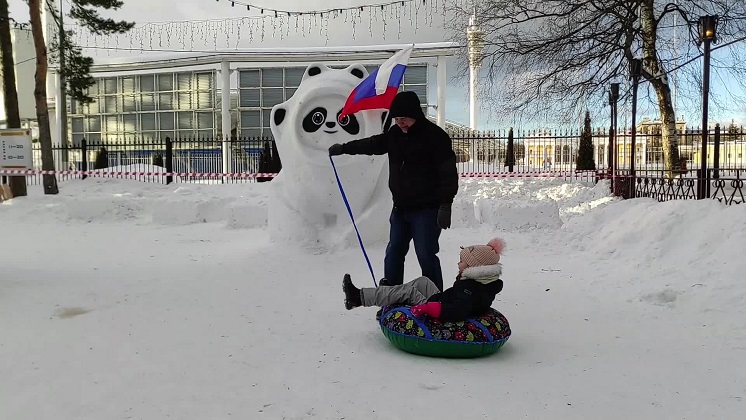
[277, 12]
[17, 25]
[230, 32]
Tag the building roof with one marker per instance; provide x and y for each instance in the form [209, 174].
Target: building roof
[269, 55]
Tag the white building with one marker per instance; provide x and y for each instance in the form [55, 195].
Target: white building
[181, 95]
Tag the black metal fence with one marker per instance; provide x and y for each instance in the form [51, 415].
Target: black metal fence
[505, 153]
[719, 175]
[194, 160]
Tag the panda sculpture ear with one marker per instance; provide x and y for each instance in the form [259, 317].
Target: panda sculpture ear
[358, 70]
[314, 69]
[278, 117]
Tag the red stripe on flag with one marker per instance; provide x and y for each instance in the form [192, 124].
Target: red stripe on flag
[374, 102]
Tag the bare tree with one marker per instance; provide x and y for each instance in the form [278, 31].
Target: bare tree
[556, 57]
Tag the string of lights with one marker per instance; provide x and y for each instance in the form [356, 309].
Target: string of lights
[409, 15]
[172, 50]
[339, 10]
[16, 24]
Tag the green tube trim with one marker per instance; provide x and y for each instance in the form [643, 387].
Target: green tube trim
[442, 348]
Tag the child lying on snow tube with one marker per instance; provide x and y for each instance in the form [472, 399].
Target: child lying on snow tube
[472, 294]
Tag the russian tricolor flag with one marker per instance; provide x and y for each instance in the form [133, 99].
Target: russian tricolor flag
[379, 88]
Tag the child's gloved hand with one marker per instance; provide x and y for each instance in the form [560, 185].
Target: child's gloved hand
[431, 309]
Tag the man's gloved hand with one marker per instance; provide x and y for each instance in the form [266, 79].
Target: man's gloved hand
[335, 150]
[431, 309]
[444, 216]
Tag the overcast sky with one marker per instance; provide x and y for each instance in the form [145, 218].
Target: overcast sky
[414, 22]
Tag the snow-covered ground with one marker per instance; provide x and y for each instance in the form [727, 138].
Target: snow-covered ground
[128, 300]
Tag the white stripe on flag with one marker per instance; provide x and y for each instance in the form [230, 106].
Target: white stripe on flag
[384, 71]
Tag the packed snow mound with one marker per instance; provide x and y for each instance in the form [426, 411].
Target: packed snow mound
[134, 168]
[112, 200]
[660, 242]
[502, 204]
[679, 227]
[520, 204]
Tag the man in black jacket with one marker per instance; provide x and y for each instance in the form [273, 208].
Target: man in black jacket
[423, 180]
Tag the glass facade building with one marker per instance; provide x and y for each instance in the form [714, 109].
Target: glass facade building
[146, 107]
[186, 104]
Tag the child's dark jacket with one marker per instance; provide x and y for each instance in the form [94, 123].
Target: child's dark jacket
[472, 293]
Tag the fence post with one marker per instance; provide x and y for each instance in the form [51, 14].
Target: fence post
[702, 180]
[610, 158]
[715, 157]
[169, 160]
[84, 158]
[510, 153]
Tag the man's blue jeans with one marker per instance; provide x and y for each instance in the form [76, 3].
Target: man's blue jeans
[422, 227]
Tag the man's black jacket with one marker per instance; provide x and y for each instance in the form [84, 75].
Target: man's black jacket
[422, 164]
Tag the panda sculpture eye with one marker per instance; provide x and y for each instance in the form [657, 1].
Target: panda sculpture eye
[314, 120]
[349, 123]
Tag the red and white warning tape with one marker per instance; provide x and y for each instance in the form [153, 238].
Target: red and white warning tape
[104, 173]
[135, 173]
[564, 174]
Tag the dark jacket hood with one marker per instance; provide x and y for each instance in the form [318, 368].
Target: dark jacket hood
[406, 104]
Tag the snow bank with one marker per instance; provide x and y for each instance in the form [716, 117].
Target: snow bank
[520, 204]
[661, 246]
[114, 200]
[503, 204]
[699, 229]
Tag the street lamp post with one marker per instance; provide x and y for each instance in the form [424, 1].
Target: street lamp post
[707, 35]
[613, 100]
[635, 72]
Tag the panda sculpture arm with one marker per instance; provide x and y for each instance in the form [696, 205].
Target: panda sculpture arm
[373, 145]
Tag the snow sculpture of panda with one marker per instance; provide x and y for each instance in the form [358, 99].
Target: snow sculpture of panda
[306, 205]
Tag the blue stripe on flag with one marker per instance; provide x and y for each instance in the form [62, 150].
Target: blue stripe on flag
[397, 74]
[366, 88]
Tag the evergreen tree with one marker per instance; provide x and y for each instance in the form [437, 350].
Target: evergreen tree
[158, 160]
[265, 160]
[275, 164]
[584, 160]
[510, 151]
[74, 66]
[102, 159]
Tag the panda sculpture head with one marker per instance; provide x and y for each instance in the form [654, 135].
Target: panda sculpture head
[308, 123]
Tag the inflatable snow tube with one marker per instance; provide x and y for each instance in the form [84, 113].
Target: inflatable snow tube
[475, 337]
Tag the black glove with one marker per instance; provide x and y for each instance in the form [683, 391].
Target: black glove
[444, 216]
[336, 149]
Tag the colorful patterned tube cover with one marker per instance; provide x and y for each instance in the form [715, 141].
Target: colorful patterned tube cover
[475, 337]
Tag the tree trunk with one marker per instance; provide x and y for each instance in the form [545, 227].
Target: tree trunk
[669, 136]
[40, 95]
[10, 95]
